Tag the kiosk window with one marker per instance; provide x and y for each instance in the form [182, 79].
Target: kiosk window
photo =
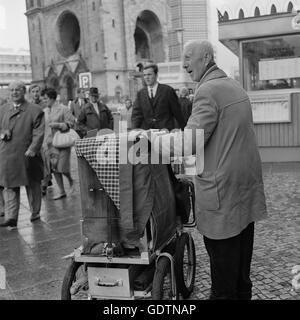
[272, 63]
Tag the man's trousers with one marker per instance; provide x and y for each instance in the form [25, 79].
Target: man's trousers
[12, 200]
[230, 263]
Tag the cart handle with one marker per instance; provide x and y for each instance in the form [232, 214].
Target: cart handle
[111, 284]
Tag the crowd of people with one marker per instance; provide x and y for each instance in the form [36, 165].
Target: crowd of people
[229, 193]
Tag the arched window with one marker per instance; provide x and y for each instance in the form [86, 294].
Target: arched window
[241, 14]
[225, 16]
[290, 7]
[257, 12]
[273, 9]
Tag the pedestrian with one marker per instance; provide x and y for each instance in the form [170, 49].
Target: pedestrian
[58, 118]
[191, 98]
[125, 116]
[95, 115]
[156, 106]
[35, 95]
[230, 192]
[185, 103]
[22, 131]
[78, 104]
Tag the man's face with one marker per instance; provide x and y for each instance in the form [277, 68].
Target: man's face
[81, 95]
[128, 104]
[36, 94]
[17, 93]
[194, 62]
[94, 99]
[150, 77]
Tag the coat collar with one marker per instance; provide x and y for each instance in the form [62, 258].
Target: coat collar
[212, 73]
[22, 108]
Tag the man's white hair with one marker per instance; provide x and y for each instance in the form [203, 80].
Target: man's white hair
[200, 47]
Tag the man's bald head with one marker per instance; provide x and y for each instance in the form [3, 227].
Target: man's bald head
[17, 84]
[197, 56]
[200, 47]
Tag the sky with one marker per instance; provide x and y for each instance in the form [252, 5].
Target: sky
[13, 25]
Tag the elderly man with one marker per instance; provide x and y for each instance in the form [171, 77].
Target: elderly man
[95, 115]
[230, 192]
[21, 136]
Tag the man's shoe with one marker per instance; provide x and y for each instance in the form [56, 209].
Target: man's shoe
[12, 224]
[35, 217]
[2, 214]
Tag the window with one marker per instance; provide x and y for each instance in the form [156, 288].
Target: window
[96, 46]
[272, 63]
[116, 56]
[257, 12]
[113, 23]
[94, 6]
[273, 9]
[241, 14]
[290, 7]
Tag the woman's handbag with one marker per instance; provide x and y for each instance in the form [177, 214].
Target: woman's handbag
[62, 140]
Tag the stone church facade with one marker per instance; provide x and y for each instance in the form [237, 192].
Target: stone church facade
[108, 38]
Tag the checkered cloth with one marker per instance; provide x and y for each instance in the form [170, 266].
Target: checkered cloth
[102, 154]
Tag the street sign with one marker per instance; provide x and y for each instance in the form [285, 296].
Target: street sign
[85, 80]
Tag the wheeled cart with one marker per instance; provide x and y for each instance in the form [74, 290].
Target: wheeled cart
[158, 264]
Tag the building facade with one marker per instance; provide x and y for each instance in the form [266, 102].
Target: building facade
[14, 66]
[265, 36]
[110, 39]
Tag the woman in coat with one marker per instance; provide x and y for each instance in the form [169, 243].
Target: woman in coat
[57, 117]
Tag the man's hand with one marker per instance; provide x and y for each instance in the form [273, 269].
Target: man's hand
[30, 154]
[54, 125]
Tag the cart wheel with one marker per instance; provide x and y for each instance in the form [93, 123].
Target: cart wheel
[162, 281]
[75, 285]
[185, 264]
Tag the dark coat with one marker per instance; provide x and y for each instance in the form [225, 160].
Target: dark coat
[27, 126]
[76, 108]
[186, 108]
[162, 114]
[230, 191]
[89, 120]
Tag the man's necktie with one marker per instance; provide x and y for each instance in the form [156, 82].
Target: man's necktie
[151, 94]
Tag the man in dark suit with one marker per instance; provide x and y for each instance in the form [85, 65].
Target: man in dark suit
[156, 105]
[95, 115]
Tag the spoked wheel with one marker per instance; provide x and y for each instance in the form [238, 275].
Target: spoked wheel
[75, 283]
[162, 281]
[185, 264]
